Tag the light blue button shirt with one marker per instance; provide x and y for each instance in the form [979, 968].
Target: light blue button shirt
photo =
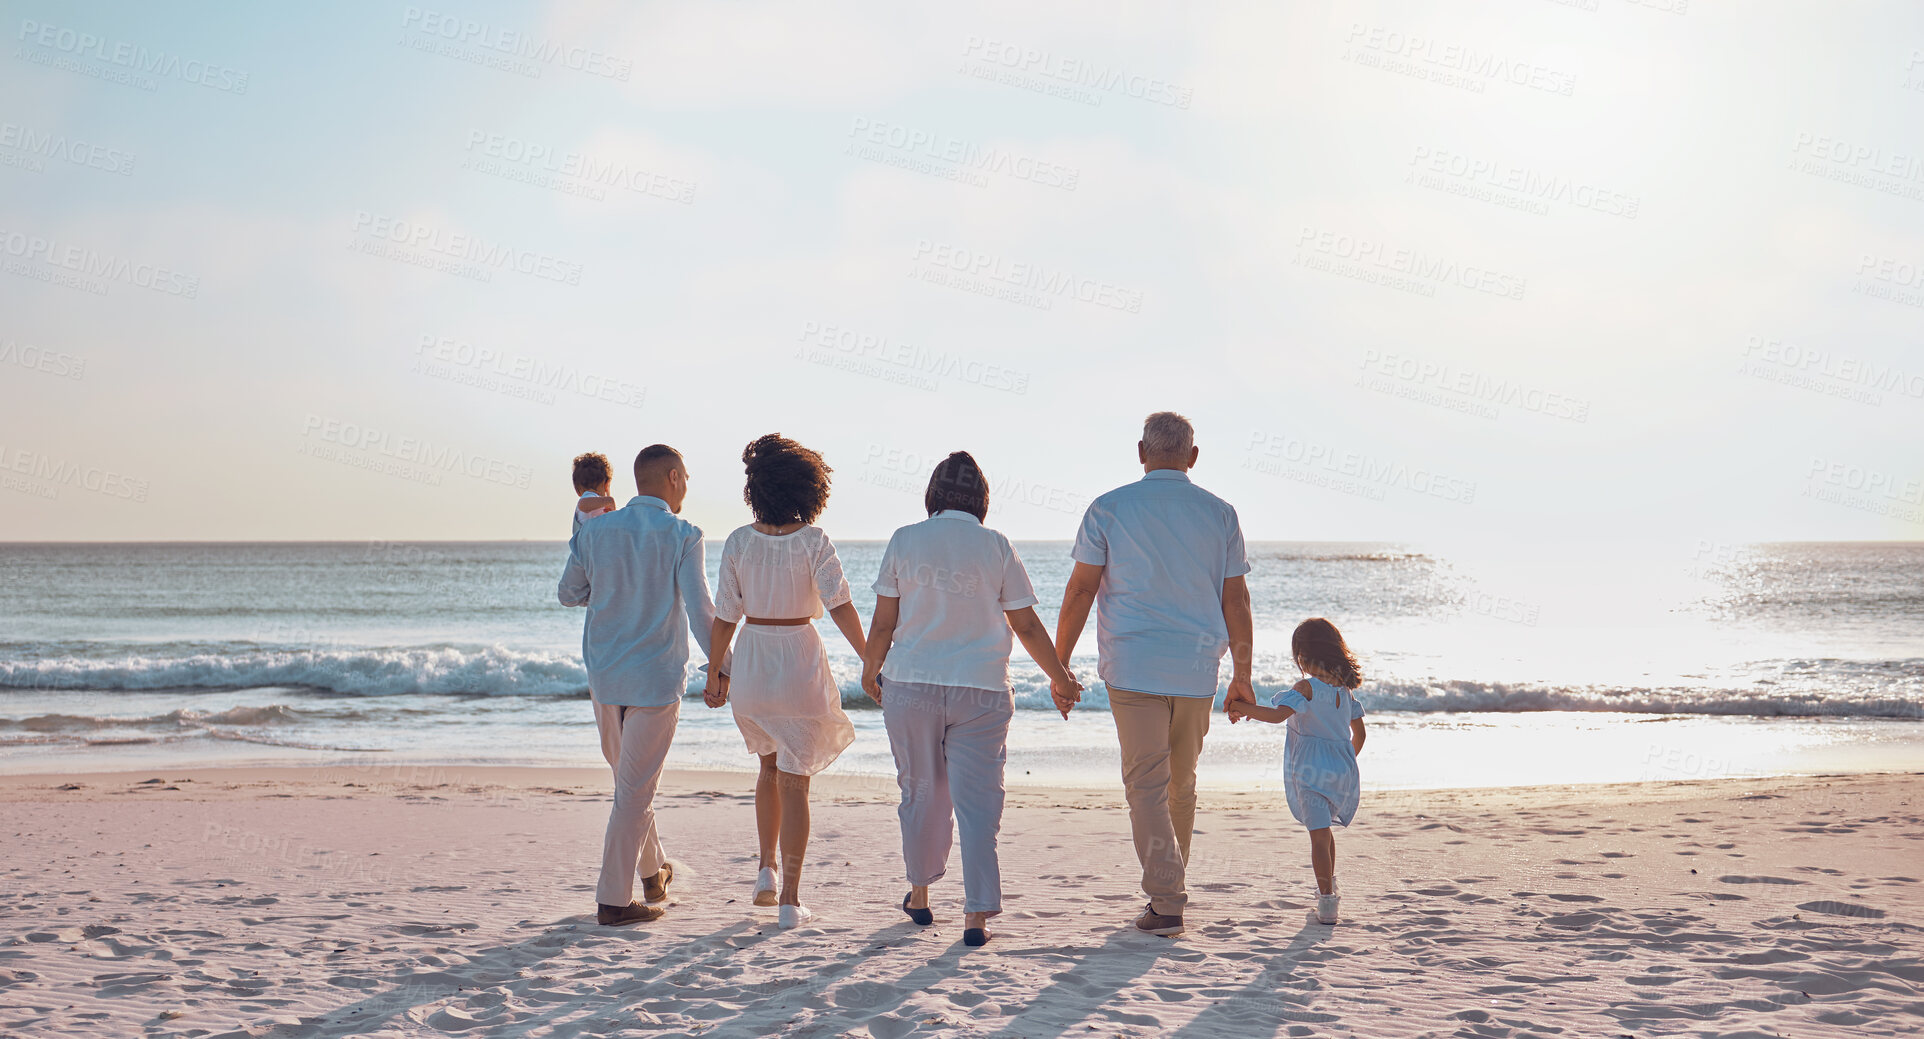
[1166, 546]
[635, 569]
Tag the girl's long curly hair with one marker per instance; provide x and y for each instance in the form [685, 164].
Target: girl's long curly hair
[1318, 644]
[787, 483]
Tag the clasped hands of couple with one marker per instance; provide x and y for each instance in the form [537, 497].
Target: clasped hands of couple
[1065, 694]
[1068, 694]
[715, 693]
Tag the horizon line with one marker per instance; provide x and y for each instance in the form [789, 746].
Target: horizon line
[1065, 541]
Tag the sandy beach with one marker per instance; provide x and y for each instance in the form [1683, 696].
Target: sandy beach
[397, 901]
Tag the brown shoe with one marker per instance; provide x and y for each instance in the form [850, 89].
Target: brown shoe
[1152, 922]
[632, 913]
[655, 888]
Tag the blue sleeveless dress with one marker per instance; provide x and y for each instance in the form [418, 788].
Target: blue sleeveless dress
[1319, 765]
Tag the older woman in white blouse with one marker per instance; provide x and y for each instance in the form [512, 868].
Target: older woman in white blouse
[949, 594]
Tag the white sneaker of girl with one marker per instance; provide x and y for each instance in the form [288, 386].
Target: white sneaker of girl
[1326, 904]
[793, 916]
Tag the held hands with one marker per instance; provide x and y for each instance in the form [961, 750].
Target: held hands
[1240, 696]
[716, 693]
[1065, 694]
[872, 682]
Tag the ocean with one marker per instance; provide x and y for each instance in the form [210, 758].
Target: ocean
[1481, 668]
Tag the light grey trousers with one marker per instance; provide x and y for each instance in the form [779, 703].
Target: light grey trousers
[950, 745]
[639, 738]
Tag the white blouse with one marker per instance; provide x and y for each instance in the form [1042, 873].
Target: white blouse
[956, 580]
[778, 577]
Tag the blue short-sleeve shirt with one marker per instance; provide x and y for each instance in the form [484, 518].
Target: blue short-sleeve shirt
[1166, 546]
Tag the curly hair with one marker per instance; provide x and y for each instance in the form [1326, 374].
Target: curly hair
[787, 483]
[591, 471]
[1318, 644]
[957, 482]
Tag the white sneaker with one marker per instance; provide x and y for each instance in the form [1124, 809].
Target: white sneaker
[1326, 904]
[793, 916]
[765, 887]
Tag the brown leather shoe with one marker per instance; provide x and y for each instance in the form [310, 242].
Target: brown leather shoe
[632, 913]
[1152, 922]
[655, 888]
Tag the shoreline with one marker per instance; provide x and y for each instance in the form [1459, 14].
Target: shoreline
[242, 781]
[1407, 752]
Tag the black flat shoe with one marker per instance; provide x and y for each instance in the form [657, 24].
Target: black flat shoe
[975, 936]
[920, 916]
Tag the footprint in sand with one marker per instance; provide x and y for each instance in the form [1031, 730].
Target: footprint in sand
[1751, 959]
[1733, 879]
[1575, 921]
[861, 995]
[454, 1019]
[888, 1026]
[1842, 909]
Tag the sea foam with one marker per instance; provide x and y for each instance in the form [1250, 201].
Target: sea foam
[1803, 688]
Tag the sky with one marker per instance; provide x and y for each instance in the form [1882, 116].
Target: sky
[1585, 272]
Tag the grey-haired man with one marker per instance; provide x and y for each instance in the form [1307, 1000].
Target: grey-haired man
[1165, 561]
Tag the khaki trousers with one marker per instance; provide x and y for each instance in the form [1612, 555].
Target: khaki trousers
[1161, 737]
[635, 740]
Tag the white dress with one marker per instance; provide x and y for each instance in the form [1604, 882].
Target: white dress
[1320, 778]
[785, 698]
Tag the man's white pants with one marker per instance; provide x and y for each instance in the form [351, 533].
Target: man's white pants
[635, 741]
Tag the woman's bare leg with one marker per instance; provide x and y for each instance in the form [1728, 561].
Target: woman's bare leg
[768, 809]
[794, 835]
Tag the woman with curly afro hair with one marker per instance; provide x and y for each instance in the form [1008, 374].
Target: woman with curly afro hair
[778, 574]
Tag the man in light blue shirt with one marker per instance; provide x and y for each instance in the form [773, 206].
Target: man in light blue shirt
[639, 571]
[1163, 560]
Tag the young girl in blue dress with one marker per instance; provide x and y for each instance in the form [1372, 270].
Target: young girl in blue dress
[1324, 725]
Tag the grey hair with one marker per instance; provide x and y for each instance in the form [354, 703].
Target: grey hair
[1167, 433]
